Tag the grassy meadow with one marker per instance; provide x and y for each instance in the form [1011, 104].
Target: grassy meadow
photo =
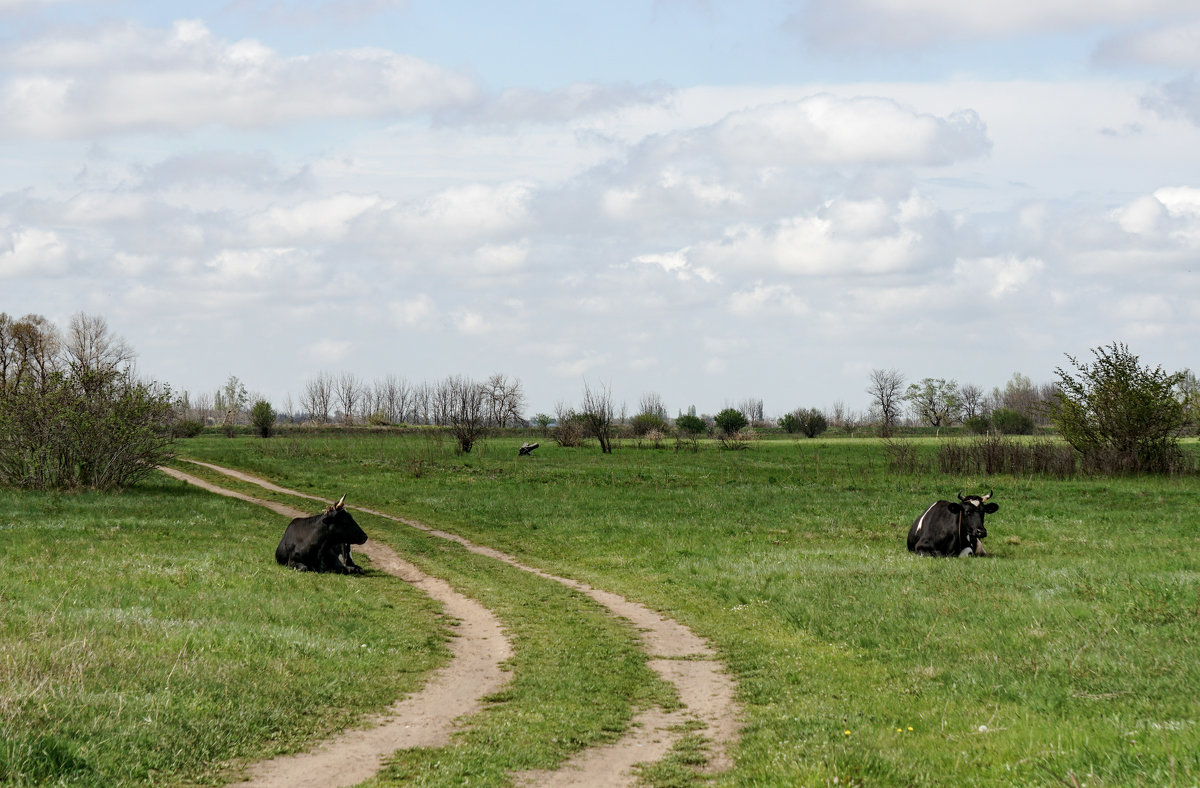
[1070, 656]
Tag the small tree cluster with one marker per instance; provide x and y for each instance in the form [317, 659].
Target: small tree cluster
[71, 413]
[807, 421]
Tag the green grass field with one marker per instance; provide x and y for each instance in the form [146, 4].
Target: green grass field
[1069, 656]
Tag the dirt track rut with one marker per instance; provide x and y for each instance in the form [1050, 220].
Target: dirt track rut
[680, 657]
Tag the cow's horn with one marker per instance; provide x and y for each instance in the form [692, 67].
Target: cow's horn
[339, 504]
[989, 495]
[960, 496]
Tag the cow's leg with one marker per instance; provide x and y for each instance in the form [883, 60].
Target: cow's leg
[299, 567]
[348, 562]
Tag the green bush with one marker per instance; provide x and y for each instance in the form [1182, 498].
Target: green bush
[262, 416]
[1121, 417]
[978, 425]
[187, 428]
[644, 423]
[730, 421]
[812, 422]
[691, 424]
[789, 423]
[1012, 422]
[86, 431]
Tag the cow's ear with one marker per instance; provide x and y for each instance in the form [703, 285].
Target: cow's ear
[990, 508]
[954, 508]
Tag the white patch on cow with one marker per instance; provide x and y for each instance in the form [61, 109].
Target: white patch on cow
[965, 552]
[922, 520]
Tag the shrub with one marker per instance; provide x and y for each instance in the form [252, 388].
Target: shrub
[262, 416]
[789, 423]
[987, 455]
[691, 424]
[1121, 417]
[188, 428]
[979, 425]
[1012, 422]
[730, 421]
[812, 422]
[644, 423]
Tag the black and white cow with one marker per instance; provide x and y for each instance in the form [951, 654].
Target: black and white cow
[321, 543]
[951, 529]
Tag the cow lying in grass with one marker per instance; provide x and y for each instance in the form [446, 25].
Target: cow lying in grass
[952, 529]
[321, 543]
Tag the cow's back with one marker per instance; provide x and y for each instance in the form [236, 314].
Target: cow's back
[934, 531]
[299, 539]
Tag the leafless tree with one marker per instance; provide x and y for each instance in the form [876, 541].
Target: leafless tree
[972, 401]
[461, 404]
[93, 352]
[752, 409]
[505, 400]
[886, 389]
[317, 397]
[348, 390]
[392, 395]
[202, 405]
[596, 415]
[652, 404]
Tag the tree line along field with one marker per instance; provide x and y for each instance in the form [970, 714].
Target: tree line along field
[1069, 656]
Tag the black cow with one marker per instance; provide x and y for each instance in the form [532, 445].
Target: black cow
[321, 543]
[951, 529]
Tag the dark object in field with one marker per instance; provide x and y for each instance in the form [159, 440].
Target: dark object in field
[952, 529]
[321, 543]
[527, 448]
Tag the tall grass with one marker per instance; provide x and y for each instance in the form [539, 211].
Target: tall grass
[1070, 656]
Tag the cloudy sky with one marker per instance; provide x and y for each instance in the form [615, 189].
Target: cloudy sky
[707, 200]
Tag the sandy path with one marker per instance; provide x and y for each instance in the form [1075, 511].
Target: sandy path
[423, 719]
[706, 691]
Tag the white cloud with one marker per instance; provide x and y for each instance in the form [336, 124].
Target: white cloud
[676, 263]
[471, 324]
[126, 77]
[34, 252]
[413, 312]
[329, 351]
[827, 129]
[763, 299]
[831, 24]
[996, 276]
[323, 219]
[1175, 45]
[842, 237]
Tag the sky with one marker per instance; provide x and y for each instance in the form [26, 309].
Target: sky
[708, 201]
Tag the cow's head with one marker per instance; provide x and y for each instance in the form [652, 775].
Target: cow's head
[342, 527]
[972, 509]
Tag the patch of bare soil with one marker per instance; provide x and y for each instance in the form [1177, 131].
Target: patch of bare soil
[706, 691]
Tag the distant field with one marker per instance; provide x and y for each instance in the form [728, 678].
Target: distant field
[1070, 655]
[147, 636]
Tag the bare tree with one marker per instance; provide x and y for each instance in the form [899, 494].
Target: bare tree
[392, 396]
[461, 404]
[652, 405]
[972, 400]
[348, 389]
[317, 397]
[94, 354]
[886, 389]
[596, 414]
[505, 400]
